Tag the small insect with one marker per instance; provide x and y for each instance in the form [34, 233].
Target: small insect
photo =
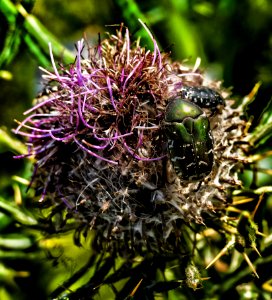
[202, 96]
[190, 142]
[187, 128]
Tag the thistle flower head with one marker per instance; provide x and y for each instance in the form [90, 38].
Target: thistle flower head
[101, 152]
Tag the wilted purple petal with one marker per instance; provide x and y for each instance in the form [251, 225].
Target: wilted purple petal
[94, 154]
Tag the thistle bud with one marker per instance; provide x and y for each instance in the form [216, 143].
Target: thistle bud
[103, 157]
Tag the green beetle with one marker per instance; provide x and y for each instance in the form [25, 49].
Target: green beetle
[189, 138]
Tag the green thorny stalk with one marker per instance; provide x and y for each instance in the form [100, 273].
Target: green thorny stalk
[97, 136]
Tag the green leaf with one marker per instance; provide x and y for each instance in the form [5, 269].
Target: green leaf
[17, 213]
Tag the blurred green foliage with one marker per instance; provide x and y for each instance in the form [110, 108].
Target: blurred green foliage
[233, 39]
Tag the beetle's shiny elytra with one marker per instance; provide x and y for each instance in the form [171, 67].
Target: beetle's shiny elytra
[190, 142]
[202, 96]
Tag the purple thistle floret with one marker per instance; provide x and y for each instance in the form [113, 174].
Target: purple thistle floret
[94, 97]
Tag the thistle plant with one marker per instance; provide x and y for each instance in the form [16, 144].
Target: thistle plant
[102, 162]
